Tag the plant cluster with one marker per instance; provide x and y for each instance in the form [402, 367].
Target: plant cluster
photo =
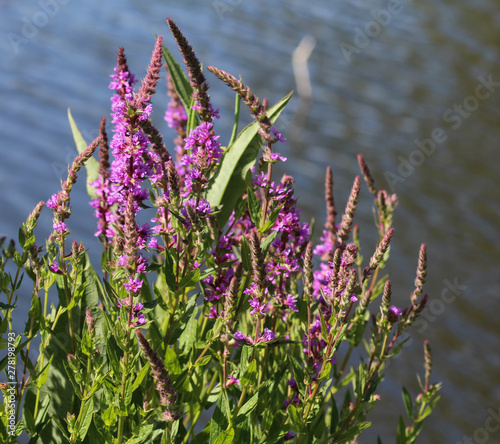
[220, 321]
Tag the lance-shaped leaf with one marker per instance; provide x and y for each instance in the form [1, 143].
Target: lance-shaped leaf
[234, 174]
[179, 78]
[91, 164]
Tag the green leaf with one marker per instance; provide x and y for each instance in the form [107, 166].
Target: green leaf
[401, 432]
[267, 242]
[226, 437]
[250, 376]
[379, 287]
[249, 406]
[128, 395]
[109, 415]
[397, 348]
[294, 418]
[271, 220]
[193, 120]
[87, 412]
[325, 374]
[187, 332]
[234, 175]
[253, 207]
[324, 331]
[169, 271]
[353, 432]
[246, 255]
[190, 279]
[42, 378]
[246, 353]
[179, 78]
[408, 403]
[203, 361]
[427, 411]
[138, 379]
[186, 327]
[297, 370]
[243, 431]
[172, 362]
[143, 435]
[91, 164]
[29, 420]
[334, 421]
[225, 406]
[219, 422]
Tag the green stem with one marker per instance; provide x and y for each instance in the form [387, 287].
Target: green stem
[207, 346]
[30, 334]
[121, 420]
[67, 294]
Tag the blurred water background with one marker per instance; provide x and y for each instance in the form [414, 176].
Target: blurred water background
[387, 76]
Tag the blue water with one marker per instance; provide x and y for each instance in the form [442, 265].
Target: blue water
[418, 74]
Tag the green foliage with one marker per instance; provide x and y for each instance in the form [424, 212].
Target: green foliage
[218, 331]
[91, 165]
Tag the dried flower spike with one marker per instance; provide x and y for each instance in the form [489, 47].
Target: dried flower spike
[258, 265]
[198, 81]
[331, 213]
[421, 273]
[366, 174]
[377, 257]
[148, 87]
[164, 384]
[348, 217]
[257, 110]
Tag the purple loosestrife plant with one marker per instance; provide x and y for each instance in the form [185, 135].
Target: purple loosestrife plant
[224, 321]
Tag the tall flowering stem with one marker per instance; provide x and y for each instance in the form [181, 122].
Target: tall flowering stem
[60, 204]
[198, 81]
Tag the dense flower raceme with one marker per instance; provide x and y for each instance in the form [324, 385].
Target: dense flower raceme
[248, 282]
